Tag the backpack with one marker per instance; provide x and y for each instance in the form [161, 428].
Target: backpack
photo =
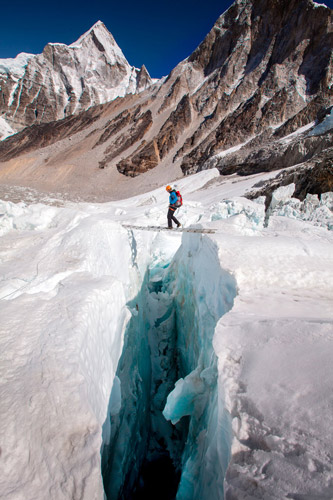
[179, 201]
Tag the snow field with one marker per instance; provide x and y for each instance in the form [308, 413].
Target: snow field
[249, 309]
[275, 369]
[274, 349]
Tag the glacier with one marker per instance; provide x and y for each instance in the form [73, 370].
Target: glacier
[138, 363]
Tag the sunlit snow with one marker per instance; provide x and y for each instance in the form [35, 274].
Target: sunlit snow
[5, 129]
[15, 66]
[246, 313]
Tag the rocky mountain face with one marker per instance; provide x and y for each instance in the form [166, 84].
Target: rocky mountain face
[65, 80]
[250, 98]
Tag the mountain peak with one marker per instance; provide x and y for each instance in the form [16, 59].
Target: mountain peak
[93, 70]
[98, 24]
[98, 28]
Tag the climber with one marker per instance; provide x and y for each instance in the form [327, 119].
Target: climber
[174, 203]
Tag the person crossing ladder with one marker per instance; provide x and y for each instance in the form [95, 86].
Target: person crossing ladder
[174, 203]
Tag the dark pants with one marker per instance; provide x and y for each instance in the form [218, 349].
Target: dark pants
[171, 217]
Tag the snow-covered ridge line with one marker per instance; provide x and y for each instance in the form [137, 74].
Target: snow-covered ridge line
[15, 66]
[98, 27]
[316, 4]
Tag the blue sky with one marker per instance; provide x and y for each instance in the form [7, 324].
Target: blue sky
[156, 33]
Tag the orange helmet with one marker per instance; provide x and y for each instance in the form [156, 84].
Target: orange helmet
[168, 188]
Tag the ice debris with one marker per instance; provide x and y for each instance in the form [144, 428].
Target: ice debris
[253, 210]
[189, 395]
[318, 212]
[19, 216]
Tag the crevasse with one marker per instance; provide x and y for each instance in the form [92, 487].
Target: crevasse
[167, 434]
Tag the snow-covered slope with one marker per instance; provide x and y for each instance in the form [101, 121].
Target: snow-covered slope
[64, 80]
[229, 334]
[15, 66]
[5, 129]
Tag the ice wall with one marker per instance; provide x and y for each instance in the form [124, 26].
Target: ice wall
[168, 361]
[139, 433]
[122, 456]
[64, 287]
[203, 292]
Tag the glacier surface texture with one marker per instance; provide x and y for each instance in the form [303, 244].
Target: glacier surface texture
[140, 364]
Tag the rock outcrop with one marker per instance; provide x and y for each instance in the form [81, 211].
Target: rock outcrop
[148, 156]
[65, 80]
[312, 177]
